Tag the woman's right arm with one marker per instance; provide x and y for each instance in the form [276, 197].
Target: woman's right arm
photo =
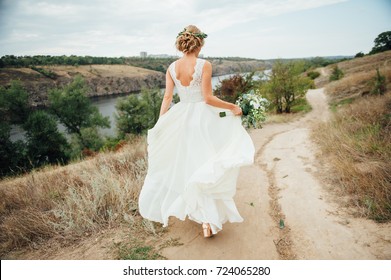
[208, 95]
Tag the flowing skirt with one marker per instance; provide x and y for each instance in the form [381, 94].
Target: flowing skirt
[194, 157]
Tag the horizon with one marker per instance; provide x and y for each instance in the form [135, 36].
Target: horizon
[159, 56]
[284, 29]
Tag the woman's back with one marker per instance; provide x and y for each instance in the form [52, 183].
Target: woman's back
[185, 70]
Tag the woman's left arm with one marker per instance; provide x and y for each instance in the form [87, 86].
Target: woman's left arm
[167, 94]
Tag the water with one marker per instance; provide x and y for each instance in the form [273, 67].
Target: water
[106, 106]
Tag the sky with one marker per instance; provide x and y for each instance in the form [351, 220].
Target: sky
[262, 29]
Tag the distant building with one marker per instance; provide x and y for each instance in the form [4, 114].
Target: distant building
[160, 56]
[143, 54]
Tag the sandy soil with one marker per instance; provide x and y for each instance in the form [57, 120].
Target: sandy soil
[284, 184]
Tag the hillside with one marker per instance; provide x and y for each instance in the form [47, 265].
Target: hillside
[356, 142]
[105, 79]
[102, 79]
[88, 209]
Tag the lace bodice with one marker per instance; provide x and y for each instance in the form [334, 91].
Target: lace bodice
[193, 92]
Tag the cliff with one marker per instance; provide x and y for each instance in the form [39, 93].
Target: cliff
[102, 79]
[105, 79]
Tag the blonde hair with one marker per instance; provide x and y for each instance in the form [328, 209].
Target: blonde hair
[190, 39]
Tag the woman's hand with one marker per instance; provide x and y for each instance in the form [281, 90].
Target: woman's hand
[237, 111]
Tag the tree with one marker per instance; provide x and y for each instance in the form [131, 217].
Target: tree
[45, 144]
[230, 89]
[136, 113]
[286, 84]
[14, 103]
[154, 98]
[132, 115]
[359, 54]
[12, 154]
[74, 109]
[382, 43]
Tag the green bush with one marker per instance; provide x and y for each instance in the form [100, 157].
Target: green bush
[137, 113]
[230, 89]
[47, 73]
[313, 74]
[378, 83]
[285, 85]
[45, 144]
[12, 154]
[75, 111]
[14, 107]
[336, 74]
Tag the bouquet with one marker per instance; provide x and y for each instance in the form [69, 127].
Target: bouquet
[253, 107]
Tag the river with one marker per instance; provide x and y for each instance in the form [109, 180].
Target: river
[106, 106]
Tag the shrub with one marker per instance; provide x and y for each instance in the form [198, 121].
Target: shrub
[136, 114]
[378, 83]
[74, 109]
[336, 74]
[360, 54]
[313, 74]
[47, 73]
[45, 144]
[286, 85]
[230, 89]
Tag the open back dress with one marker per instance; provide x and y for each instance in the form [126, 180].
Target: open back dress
[194, 157]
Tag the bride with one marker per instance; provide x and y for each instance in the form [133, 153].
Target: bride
[194, 155]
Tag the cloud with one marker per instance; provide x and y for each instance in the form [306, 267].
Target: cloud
[126, 27]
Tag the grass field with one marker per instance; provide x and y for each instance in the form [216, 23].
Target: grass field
[357, 140]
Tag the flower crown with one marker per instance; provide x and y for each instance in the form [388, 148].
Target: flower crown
[199, 35]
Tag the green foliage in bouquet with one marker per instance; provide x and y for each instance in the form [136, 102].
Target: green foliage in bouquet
[254, 108]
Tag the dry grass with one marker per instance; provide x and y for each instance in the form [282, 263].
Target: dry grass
[101, 70]
[355, 84]
[68, 202]
[357, 142]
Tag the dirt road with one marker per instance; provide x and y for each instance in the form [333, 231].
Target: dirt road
[282, 190]
[282, 186]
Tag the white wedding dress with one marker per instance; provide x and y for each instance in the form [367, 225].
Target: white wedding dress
[194, 157]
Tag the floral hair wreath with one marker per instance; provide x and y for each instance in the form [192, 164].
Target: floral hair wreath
[199, 35]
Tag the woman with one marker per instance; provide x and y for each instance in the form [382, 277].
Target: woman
[194, 155]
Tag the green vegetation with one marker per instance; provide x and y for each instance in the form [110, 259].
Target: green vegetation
[27, 61]
[334, 105]
[43, 143]
[136, 250]
[359, 54]
[336, 74]
[378, 83]
[313, 74]
[157, 64]
[137, 114]
[382, 43]
[230, 89]
[286, 85]
[14, 103]
[357, 141]
[74, 110]
[47, 73]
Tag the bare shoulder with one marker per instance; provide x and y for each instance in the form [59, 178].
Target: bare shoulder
[207, 66]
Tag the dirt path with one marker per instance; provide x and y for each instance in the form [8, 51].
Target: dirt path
[282, 185]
